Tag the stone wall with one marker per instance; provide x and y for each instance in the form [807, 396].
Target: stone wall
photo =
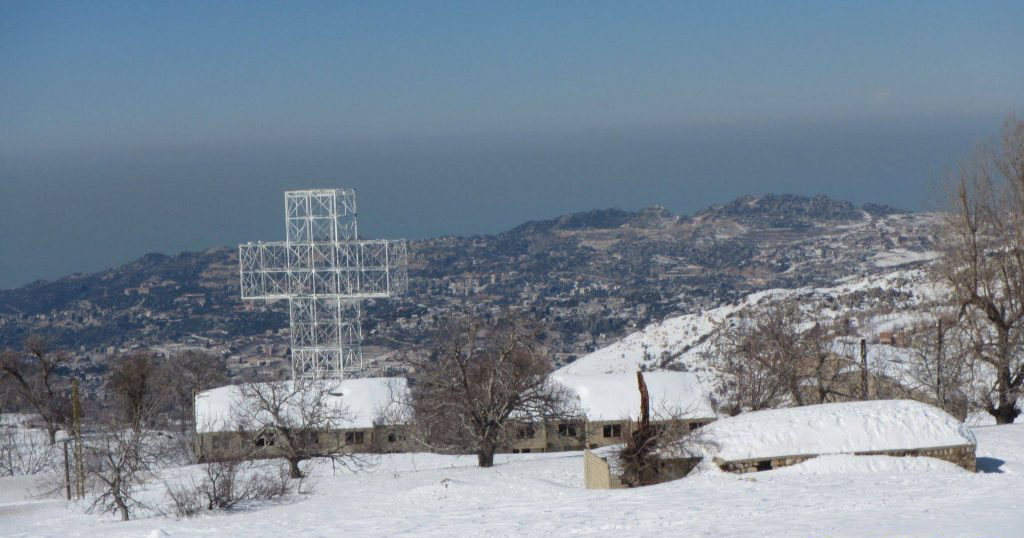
[962, 455]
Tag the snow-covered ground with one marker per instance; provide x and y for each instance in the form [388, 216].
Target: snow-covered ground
[542, 495]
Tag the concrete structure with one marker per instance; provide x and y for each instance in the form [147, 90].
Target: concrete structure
[764, 440]
[610, 403]
[601, 468]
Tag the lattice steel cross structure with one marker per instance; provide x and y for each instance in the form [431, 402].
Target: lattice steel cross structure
[323, 269]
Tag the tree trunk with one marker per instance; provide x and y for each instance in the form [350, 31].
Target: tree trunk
[293, 468]
[52, 432]
[1006, 413]
[115, 492]
[485, 453]
[1006, 410]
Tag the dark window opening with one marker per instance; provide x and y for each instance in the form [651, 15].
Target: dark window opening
[354, 438]
[567, 430]
[765, 465]
[526, 433]
[612, 430]
[263, 441]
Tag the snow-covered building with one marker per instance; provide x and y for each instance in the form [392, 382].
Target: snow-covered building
[763, 440]
[365, 416]
[610, 408]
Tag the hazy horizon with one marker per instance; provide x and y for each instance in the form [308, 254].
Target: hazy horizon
[132, 128]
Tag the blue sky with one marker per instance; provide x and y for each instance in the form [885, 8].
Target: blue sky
[129, 127]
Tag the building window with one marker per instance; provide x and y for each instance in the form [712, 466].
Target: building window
[567, 430]
[764, 465]
[612, 430]
[394, 437]
[354, 438]
[526, 433]
[263, 440]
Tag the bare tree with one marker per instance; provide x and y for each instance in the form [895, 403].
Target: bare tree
[193, 371]
[770, 357]
[120, 457]
[939, 368]
[36, 380]
[139, 383]
[984, 264]
[299, 420]
[484, 377]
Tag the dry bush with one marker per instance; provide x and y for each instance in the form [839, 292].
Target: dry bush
[225, 485]
[26, 451]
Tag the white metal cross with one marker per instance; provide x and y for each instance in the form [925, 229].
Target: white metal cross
[323, 269]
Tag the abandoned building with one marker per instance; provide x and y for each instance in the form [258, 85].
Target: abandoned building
[608, 404]
[368, 420]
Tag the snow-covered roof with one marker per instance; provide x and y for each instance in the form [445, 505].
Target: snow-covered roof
[835, 428]
[365, 402]
[617, 397]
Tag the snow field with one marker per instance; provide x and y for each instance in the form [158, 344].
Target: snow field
[541, 495]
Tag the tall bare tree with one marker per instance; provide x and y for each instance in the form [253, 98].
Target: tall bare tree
[139, 383]
[484, 377]
[296, 419]
[939, 368]
[984, 264]
[193, 371]
[36, 379]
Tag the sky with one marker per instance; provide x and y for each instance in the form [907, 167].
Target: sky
[135, 127]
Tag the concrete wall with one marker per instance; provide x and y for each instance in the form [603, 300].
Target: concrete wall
[597, 473]
[962, 455]
[219, 446]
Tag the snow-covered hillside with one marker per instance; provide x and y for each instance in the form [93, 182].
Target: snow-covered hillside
[427, 495]
[888, 301]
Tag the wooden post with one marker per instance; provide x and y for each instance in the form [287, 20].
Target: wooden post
[76, 430]
[938, 367]
[67, 472]
[645, 402]
[864, 368]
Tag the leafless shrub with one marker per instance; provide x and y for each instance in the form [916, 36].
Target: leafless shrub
[225, 485]
[119, 462]
[26, 451]
[773, 354]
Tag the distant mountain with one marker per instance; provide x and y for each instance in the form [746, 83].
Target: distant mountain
[594, 276]
[783, 210]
